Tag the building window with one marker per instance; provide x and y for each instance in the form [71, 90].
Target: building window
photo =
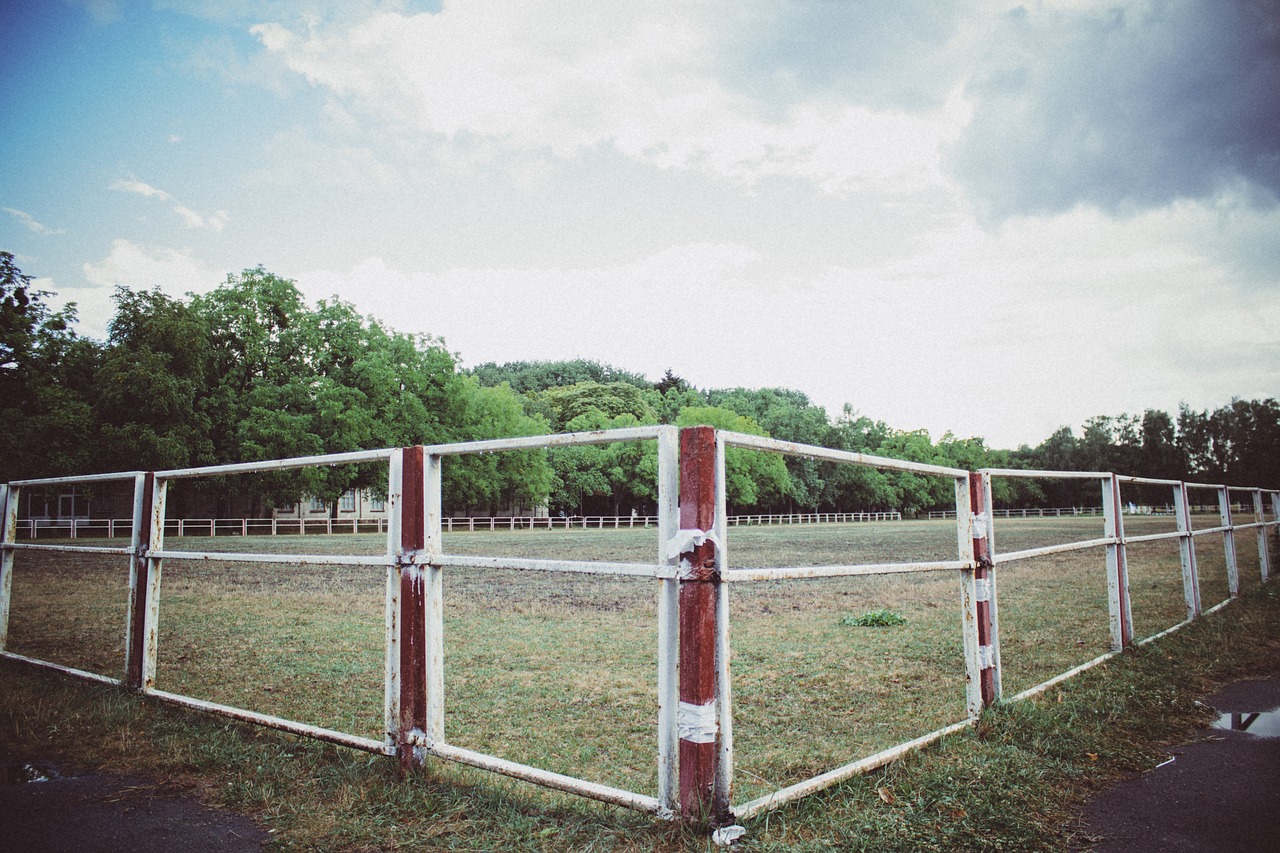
[378, 504]
[317, 505]
[286, 508]
[348, 503]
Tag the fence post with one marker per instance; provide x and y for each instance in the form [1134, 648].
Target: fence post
[144, 582]
[982, 637]
[1117, 566]
[421, 671]
[698, 715]
[8, 535]
[1229, 541]
[1187, 551]
[1259, 517]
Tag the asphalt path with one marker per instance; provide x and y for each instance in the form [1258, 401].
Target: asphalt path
[48, 809]
[1218, 792]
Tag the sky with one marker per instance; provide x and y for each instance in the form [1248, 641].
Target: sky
[981, 217]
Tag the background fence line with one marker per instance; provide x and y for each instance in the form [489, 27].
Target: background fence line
[110, 528]
[694, 725]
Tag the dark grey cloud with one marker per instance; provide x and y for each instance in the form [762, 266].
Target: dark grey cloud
[1125, 109]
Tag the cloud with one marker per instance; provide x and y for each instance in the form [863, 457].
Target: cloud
[140, 267]
[32, 224]
[190, 218]
[571, 78]
[1124, 106]
[139, 188]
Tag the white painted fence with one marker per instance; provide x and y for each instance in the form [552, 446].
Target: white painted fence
[415, 563]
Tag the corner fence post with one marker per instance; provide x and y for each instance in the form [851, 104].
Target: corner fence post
[1260, 517]
[1228, 541]
[413, 610]
[1117, 566]
[146, 537]
[8, 535]
[697, 717]
[1187, 551]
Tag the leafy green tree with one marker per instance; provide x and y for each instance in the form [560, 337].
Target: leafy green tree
[45, 373]
[611, 399]
[150, 393]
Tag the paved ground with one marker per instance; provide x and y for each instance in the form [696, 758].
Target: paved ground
[44, 810]
[1220, 793]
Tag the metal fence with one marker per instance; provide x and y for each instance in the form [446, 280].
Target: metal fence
[694, 747]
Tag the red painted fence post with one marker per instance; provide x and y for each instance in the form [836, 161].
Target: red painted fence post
[698, 718]
[413, 609]
[984, 586]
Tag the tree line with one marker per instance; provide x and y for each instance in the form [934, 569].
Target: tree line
[250, 371]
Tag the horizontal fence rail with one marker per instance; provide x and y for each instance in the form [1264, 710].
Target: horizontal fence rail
[694, 745]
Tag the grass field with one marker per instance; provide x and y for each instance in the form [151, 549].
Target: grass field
[559, 671]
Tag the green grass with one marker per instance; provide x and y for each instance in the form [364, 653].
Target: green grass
[558, 671]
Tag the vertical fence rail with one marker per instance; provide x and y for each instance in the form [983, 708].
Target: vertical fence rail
[724, 675]
[1187, 551]
[139, 540]
[392, 610]
[1228, 541]
[1259, 517]
[1117, 566]
[668, 623]
[432, 546]
[8, 535]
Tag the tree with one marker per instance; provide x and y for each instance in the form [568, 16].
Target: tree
[149, 397]
[45, 371]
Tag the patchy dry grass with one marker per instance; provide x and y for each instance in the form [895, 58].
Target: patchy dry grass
[559, 670]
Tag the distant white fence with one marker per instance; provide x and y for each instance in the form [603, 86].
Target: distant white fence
[1058, 512]
[110, 528]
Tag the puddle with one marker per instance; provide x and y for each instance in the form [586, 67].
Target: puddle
[1261, 723]
[25, 773]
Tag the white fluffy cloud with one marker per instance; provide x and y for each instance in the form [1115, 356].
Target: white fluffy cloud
[139, 267]
[570, 77]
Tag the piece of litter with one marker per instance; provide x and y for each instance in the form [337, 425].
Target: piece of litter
[726, 835]
[1170, 761]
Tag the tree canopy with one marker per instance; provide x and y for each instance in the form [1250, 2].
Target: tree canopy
[250, 371]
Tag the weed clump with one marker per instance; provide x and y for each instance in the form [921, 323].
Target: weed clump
[882, 618]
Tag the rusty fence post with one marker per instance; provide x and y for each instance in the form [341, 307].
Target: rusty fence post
[982, 638]
[418, 620]
[698, 715]
[1187, 551]
[1228, 541]
[1117, 566]
[145, 571]
[8, 535]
